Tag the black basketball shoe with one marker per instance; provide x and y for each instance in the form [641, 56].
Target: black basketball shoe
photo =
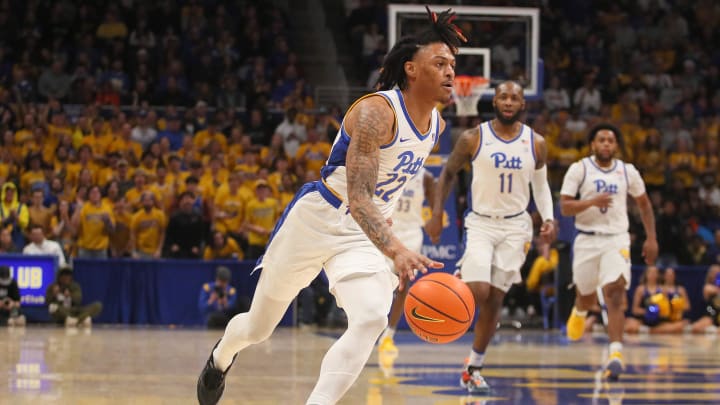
[211, 383]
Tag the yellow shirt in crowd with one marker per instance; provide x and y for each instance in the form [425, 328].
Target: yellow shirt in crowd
[147, 229]
[93, 234]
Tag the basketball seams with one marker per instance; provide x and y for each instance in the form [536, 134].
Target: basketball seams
[452, 318]
[467, 310]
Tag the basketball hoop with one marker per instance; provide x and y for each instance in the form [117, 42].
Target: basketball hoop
[467, 91]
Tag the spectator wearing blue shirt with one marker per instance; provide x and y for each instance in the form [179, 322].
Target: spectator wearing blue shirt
[218, 299]
[173, 132]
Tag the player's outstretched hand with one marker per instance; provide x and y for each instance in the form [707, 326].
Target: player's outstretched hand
[548, 231]
[650, 251]
[406, 262]
[603, 200]
[433, 227]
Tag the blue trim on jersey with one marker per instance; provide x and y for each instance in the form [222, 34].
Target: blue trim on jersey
[477, 152]
[407, 117]
[397, 126]
[584, 173]
[304, 190]
[532, 145]
[600, 168]
[503, 140]
[337, 154]
[328, 195]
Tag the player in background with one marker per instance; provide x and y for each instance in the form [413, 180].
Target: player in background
[595, 191]
[339, 222]
[506, 157]
[407, 225]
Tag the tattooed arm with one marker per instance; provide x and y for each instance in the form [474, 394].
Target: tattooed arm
[461, 154]
[370, 125]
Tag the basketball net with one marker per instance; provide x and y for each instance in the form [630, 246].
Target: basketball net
[467, 91]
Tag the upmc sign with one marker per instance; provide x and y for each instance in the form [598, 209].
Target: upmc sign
[33, 274]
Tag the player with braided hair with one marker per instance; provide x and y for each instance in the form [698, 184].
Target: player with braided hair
[340, 222]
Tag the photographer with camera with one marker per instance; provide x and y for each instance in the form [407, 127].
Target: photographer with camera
[218, 300]
[9, 300]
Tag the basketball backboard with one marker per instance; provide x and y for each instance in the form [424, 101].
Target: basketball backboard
[503, 42]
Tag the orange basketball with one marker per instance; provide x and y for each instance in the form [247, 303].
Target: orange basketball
[439, 308]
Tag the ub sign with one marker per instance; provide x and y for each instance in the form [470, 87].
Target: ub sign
[33, 274]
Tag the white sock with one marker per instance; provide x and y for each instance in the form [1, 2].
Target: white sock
[388, 332]
[581, 314]
[616, 347]
[476, 359]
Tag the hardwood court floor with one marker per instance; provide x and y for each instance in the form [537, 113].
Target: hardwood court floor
[104, 366]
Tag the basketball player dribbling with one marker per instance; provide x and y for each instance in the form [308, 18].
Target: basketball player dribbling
[601, 251]
[506, 157]
[340, 223]
[407, 225]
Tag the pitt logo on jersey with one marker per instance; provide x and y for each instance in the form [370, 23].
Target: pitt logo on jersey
[407, 166]
[601, 186]
[502, 162]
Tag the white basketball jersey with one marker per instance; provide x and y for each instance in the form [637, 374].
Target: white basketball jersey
[588, 180]
[408, 209]
[501, 173]
[399, 160]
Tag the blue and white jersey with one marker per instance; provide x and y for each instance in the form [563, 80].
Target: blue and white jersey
[399, 160]
[501, 173]
[589, 180]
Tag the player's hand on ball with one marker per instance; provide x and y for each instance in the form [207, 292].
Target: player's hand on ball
[650, 251]
[433, 227]
[548, 232]
[406, 262]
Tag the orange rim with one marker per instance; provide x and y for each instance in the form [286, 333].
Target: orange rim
[464, 84]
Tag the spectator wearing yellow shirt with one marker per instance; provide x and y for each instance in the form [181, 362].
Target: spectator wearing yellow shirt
[229, 207]
[95, 223]
[561, 154]
[683, 163]
[147, 229]
[109, 172]
[204, 137]
[141, 185]
[261, 213]
[111, 28]
[84, 162]
[62, 230]
[14, 215]
[222, 247]
[313, 153]
[288, 188]
[125, 146]
[651, 161]
[34, 176]
[25, 133]
[148, 163]
[213, 178]
[124, 176]
[709, 159]
[164, 186]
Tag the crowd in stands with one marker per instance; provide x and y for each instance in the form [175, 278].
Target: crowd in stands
[145, 130]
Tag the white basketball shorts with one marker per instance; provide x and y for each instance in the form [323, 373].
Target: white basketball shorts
[495, 249]
[599, 260]
[316, 232]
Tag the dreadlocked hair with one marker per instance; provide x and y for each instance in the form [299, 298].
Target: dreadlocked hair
[441, 29]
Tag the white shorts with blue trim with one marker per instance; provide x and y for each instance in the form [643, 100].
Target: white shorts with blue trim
[317, 232]
[495, 249]
[599, 260]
